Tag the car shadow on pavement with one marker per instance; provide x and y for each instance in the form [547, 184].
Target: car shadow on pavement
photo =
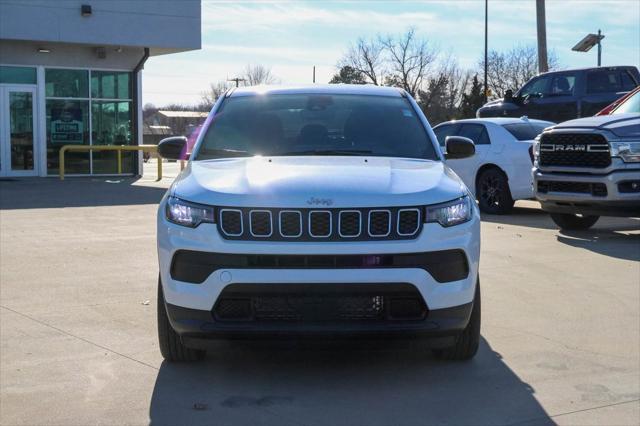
[608, 240]
[522, 216]
[342, 386]
[38, 193]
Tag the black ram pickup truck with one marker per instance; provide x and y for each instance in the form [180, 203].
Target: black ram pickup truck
[565, 95]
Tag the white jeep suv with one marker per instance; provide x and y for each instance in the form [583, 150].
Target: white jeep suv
[318, 211]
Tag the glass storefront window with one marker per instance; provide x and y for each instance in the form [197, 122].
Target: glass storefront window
[67, 124]
[61, 83]
[110, 85]
[68, 119]
[17, 75]
[111, 123]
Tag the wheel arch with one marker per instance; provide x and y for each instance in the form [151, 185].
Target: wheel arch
[488, 166]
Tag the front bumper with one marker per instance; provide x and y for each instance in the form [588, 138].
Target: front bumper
[196, 326]
[190, 305]
[614, 203]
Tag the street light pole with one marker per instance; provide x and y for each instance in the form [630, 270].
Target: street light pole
[486, 45]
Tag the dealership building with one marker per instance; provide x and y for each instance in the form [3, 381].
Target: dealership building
[70, 74]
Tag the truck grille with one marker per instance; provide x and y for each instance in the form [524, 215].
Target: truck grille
[574, 150]
[363, 224]
[319, 303]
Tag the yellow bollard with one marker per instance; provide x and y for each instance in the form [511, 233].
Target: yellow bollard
[61, 162]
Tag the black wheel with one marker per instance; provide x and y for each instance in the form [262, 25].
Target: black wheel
[492, 190]
[171, 346]
[468, 341]
[573, 222]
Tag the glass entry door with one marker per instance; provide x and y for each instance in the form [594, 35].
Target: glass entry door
[18, 148]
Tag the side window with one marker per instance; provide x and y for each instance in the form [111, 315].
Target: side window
[562, 85]
[443, 131]
[627, 81]
[536, 87]
[603, 81]
[476, 132]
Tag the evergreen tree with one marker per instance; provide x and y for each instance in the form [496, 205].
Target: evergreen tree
[473, 100]
[348, 75]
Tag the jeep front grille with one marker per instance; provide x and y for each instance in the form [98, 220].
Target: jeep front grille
[574, 150]
[362, 224]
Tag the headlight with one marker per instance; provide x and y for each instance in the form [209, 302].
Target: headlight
[628, 151]
[188, 214]
[451, 213]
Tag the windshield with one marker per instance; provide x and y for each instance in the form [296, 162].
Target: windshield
[316, 124]
[631, 104]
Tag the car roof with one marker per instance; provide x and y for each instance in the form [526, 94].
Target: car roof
[613, 67]
[501, 121]
[329, 89]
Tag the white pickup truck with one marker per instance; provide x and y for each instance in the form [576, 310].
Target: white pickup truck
[318, 211]
[500, 171]
[590, 167]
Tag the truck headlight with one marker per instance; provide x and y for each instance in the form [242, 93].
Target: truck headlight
[628, 151]
[451, 213]
[188, 214]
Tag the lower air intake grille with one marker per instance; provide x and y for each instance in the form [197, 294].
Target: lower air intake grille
[319, 303]
[595, 189]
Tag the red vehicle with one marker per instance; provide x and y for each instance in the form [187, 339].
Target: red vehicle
[609, 108]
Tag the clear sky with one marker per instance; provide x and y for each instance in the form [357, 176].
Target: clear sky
[291, 37]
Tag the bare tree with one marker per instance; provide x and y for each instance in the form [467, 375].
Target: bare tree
[513, 68]
[258, 74]
[209, 97]
[410, 60]
[366, 57]
[443, 92]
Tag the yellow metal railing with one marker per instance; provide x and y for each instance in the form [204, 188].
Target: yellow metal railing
[117, 148]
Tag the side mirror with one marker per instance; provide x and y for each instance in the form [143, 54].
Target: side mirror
[459, 147]
[508, 95]
[173, 148]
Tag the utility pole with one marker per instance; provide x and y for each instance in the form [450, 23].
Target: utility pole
[543, 65]
[237, 80]
[600, 37]
[314, 73]
[486, 46]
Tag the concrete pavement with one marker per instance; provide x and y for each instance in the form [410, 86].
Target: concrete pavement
[78, 271]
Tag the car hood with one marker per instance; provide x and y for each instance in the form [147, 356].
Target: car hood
[623, 125]
[317, 181]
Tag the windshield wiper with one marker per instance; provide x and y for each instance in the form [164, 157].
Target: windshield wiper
[329, 152]
[224, 153]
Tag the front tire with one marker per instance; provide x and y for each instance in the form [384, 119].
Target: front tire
[492, 190]
[171, 346]
[572, 222]
[468, 341]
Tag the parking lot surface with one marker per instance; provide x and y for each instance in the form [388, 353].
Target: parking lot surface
[78, 346]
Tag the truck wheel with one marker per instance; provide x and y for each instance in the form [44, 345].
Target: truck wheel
[171, 346]
[572, 222]
[494, 195]
[468, 341]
